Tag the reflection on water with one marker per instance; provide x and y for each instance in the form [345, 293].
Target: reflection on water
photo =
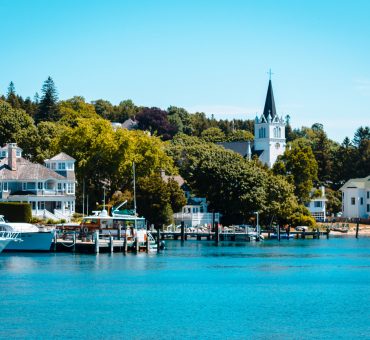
[191, 290]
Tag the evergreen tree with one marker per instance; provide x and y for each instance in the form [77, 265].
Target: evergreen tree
[48, 108]
[11, 96]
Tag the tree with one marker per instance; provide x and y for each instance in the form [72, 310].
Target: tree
[11, 96]
[213, 135]
[155, 121]
[48, 107]
[239, 136]
[299, 165]
[153, 198]
[177, 196]
[15, 125]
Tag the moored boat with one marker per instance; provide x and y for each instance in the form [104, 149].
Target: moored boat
[33, 238]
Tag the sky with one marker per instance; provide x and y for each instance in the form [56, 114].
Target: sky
[209, 56]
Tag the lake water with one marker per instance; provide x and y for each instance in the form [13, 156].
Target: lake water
[292, 289]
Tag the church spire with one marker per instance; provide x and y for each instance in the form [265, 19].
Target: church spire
[270, 109]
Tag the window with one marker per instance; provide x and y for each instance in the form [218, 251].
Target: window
[5, 186]
[47, 165]
[53, 166]
[70, 166]
[70, 188]
[61, 166]
[368, 208]
[368, 194]
[18, 153]
[40, 185]
[33, 205]
[59, 186]
[3, 153]
[318, 204]
[361, 200]
[353, 201]
[24, 186]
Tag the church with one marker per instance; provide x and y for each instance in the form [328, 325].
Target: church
[269, 135]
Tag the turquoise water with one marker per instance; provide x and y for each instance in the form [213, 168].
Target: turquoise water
[292, 289]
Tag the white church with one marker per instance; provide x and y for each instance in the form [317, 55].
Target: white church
[269, 135]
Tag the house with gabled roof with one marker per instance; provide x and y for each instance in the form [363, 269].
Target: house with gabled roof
[49, 188]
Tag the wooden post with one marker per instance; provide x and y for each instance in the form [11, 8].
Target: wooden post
[278, 232]
[111, 245]
[182, 231]
[327, 232]
[97, 242]
[357, 227]
[147, 243]
[159, 239]
[125, 243]
[55, 239]
[119, 232]
[318, 233]
[215, 228]
[74, 241]
[137, 248]
[304, 233]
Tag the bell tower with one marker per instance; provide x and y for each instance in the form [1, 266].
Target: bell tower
[269, 131]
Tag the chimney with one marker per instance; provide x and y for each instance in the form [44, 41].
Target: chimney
[12, 156]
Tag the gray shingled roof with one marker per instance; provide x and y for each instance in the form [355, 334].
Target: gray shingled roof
[241, 148]
[61, 157]
[130, 124]
[26, 171]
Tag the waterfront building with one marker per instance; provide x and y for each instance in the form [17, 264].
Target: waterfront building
[49, 188]
[269, 134]
[317, 204]
[356, 198]
[195, 213]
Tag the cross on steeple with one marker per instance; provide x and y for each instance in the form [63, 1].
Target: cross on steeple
[269, 73]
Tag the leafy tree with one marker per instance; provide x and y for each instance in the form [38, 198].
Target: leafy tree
[239, 136]
[177, 196]
[155, 121]
[299, 165]
[48, 107]
[362, 134]
[213, 135]
[180, 118]
[103, 108]
[15, 125]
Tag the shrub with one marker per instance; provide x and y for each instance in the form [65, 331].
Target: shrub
[16, 212]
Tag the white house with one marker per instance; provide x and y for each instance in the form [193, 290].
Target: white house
[269, 135]
[356, 198]
[49, 188]
[195, 212]
[317, 205]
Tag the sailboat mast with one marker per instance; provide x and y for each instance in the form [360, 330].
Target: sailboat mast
[133, 169]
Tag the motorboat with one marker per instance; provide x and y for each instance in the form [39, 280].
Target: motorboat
[33, 237]
[6, 238]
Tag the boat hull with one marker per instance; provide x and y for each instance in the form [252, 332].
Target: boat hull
[38, 241]
[3, 243]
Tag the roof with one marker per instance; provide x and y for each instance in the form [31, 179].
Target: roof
[360, 183]
[26, 171]
[61, 157]
[269, 108]
[130, 124]
[241, 148]
[180, 181]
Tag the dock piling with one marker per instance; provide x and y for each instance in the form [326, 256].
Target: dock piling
[159, 239]
[111, 245]
[125, 243]
[74, 241]
[96, 237]
[357, 227]
[182, 231]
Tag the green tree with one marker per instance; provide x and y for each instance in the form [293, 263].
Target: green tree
[213, 135]
[299, 165]
[11, 96]
[48, 106]
[239, 136]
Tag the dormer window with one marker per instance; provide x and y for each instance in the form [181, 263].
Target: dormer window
[69, 166]
[18, 153]
[61, 166]
[3, 153]
[53, 167]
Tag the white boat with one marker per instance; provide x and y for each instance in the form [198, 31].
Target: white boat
[7, 237]
[33, 238]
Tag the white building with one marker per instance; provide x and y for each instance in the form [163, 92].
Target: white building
[317, 205]
[356, 198]
[269, 135]
[50, 189]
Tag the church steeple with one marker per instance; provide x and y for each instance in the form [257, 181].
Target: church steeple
[270, 109]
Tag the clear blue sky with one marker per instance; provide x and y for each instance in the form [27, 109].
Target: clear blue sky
[210, 56]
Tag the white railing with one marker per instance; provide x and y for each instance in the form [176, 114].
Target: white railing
[196, 219]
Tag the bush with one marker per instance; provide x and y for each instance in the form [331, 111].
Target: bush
[16, 212]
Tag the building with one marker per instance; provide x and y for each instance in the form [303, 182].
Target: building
[49, 188]
[195, 212]
[317, 205]
[356, 198]
[269, 134]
